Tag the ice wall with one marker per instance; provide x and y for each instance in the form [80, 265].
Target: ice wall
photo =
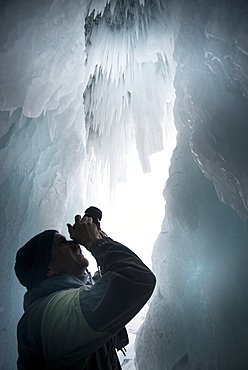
[80, 81]
[198, 317]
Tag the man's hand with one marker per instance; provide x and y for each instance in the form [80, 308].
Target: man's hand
[84, 231]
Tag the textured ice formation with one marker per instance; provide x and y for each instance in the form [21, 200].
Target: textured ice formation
[198, 315]
[80, 81]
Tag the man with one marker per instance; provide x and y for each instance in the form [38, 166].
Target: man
[69, 324]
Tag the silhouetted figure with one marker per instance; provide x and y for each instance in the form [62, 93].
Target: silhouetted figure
[70, 322]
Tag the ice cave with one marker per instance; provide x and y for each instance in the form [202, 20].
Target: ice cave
[82, 82]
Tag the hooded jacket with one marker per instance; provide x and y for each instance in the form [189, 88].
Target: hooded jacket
[68, 324]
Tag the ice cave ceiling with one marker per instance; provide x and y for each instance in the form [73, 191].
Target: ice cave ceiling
[79, 82]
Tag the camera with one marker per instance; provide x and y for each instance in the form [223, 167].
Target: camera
[95, 213]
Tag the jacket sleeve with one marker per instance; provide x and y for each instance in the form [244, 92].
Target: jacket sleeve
[125, 287]
[77, 322]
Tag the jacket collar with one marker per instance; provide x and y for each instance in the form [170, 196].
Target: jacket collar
[52, 285]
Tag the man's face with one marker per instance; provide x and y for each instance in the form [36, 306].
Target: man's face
[66, 257]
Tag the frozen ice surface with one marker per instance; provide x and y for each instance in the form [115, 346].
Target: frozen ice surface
[198, 315]
[80, 82]
[33, 74]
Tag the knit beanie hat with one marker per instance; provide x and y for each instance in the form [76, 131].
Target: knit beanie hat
[33, 258]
